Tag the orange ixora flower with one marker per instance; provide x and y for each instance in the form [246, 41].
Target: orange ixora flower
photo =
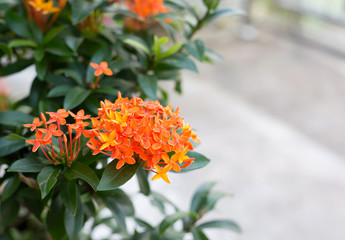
[40, 11]
[145, 9]
[68, 150]
[102, 68]
[132, 130]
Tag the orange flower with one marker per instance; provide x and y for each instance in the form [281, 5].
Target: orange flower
[101, 68]
[132, 130]
[36, 123]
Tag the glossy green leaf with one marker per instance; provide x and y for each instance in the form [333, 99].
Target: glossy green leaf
[178, 61]
[28, 164]
[15, 67]
[74, 74]
[18, 24]
[148, 84]
[144, 185]
[58, 91]
[69, 195]
[46, 179]
[51, 34]
[55, 219]
[84, 172]
[200, 197]
[200, 161]
[225, 224]
[170, 220]
[138, 44]
[175, 48]
[14, 118]
[22, 43]
[196, 49]
[7, 50]
[8, 147]
[74, 223]
[75, 96]
[113, 178]
[11, 186]
[80, 10]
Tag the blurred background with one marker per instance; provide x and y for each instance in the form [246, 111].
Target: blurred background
[271, 118]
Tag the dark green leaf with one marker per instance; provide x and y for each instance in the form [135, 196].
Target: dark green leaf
[58, 91]
[38, 54]
[106, 90]
[73, 42]
[46, 179]
[14, 137]
[15, 67]
[144, 185]
[27, 164]
[200, 161]
[149, 85]
[75, 96]
[58, 48]
[55, 219]
[143, 223]
[9, 212]
[226, 224]
[41, 69]
[69, 195]
[196, 49]
[76, 75]
[6, 50]
[31, 198]
[14, 118]
[82, 171]
[22, 43]
[170, 220]
[51, 34]
[178, 61]
[8, 147]
[200, 197]
[74, 223]
[113, 178]
[11, 186]
[80, 10]
[17, 24]
[198, 234]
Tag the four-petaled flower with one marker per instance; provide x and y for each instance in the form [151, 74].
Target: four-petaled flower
[101, 68]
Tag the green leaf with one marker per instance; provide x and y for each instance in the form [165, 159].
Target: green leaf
[51, 34]
[198, 234]
[38, 54]
[41, 69]
[82, 171]
[28, 164]
[138, 44]
[113, 178]
[9, 210]
[225, 224]
[15, 67]
[200, 161]
[74, 74]
[14, 118]
[148, 84]
[69, 195]
[73, 42]
[75, 96]
[106, 90]
[11, 186]
[14, 137]
[46, 179]
[8, 147]
[170, 220]
[171, 50]
[55, 219]
[17, 24]
[213, 198]
[22, 43]
[200, 197]
[80, 10]
[58, 48]
[196, 49]
[31, 198]
[74, 222]
[144, 185]
[7, 50]
[159, 197]
[179, 61]
[58, 91]
[223, 13]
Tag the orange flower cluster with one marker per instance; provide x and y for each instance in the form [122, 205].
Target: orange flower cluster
[145, 9]
[68, 150]
[132, 130]
[39, 11]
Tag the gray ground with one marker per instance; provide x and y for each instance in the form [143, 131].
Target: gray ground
[271, 118]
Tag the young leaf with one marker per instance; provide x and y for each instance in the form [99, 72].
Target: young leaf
[138, 44]
[75, 96]
[200, 197]
[82, 171]
[46, 179]
[226, 224]
[27, 164]
[113, 178]
[148, 84]
[11, 186]
[171, 51]
[22, 43]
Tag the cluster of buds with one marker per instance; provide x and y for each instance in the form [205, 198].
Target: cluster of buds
[40, 11]
[132, 130]
[69, 147]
